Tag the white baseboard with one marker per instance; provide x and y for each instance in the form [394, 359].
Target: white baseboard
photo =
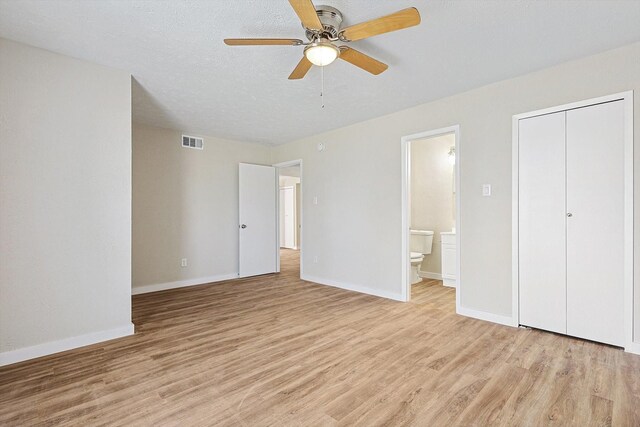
[356, 288]
[181, 283]
[430, 275]
[489, 317]
[633, 347]
[27, 353]
[450, 283]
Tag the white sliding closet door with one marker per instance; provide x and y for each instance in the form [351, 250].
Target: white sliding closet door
[595, 229]
[542, 222]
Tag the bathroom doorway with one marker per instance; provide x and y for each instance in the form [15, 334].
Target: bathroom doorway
[290, 218]
[431, 217]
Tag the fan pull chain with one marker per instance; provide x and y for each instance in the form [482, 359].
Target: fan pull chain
[322, 86]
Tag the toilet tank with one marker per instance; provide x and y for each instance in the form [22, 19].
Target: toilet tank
[421, 241]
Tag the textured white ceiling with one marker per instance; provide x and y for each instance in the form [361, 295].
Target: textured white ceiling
[187, 79]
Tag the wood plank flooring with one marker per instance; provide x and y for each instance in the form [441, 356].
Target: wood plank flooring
[274, 350]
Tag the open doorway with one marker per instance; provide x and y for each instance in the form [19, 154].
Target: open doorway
[431, 217]
[290, 217]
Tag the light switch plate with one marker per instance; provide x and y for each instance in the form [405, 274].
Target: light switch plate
[486, 190]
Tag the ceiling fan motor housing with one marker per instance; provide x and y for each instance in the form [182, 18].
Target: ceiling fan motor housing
[331, 19]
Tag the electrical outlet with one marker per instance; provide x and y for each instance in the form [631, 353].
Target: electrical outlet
[315, 200]
[183, 263]
[315, 259]
[486, 190]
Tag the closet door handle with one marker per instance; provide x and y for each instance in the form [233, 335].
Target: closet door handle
[569, 214]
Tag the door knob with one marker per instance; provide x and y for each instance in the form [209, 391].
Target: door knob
[243, 226]
[569, 214]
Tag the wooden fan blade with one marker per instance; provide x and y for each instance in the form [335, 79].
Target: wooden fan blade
[306, 11]
[396, 21]
[260, 42]
[301, 69]
[361, 60]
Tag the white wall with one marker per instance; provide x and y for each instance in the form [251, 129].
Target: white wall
[432, 193]
[65, 202]
[185, 205]
[355, 230]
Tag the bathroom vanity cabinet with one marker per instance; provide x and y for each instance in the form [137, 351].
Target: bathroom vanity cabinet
[448, 258]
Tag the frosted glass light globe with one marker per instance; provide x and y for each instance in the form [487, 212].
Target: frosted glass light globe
[321, 53]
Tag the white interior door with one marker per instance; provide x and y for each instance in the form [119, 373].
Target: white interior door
[595, 229]
[542, 222]
[287, 201]
[257, 214]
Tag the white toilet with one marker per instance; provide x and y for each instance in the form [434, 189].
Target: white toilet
[420, 245]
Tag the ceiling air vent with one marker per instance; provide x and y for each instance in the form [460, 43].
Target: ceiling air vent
[192, 142]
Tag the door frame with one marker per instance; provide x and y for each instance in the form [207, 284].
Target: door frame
[405, 147]
[278, 166]
[627, 98]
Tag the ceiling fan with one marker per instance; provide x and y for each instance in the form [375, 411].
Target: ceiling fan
[322, 25]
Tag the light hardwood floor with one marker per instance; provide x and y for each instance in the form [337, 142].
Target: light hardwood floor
[274, 350]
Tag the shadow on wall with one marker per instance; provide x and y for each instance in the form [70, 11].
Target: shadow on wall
[185, 205]
[145, 108]
[160, 192]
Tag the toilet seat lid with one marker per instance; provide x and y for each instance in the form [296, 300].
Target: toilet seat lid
[416, 255]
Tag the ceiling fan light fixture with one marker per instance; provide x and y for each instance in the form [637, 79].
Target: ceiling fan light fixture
[321, 53]
[323, 28]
